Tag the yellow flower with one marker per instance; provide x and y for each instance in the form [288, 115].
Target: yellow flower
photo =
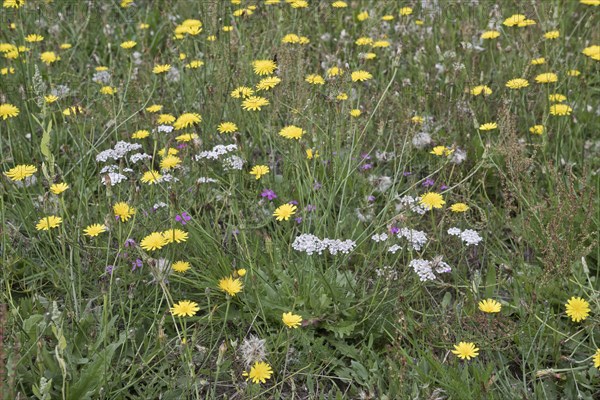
[362, 16]
[364, 41]
[141, 134]
[517, 83]
[123, 211]
[13, 3]
[259, 170]
[593, 52]
[260, 372]
[597, 354]
[20, 172]
[291, 132]
[560, 109]
[161, 68]
[165, 119]
[417, 119]
[48, 57]
[459, 207]
[73, 110]
[355, 112]
[241, 272]
[368, 56]
[537, 129]
[552, 35]
[381, 44]
[490, 306]
[574, 72]
[361, 76]
[490, 35]
[431, 200]
[227, 127]
[254, 103]
[406, 11]
[547, 77]
[211, 38]
[151, 177]
[194, 64]
[335, 71]
[58, 188]
[153, 241]
[34, 37]
[230, 285]
[170, 161]
[291, 320]
[50, 98]
[515, 19]
[154, 108]
[227, 28]
[488, 126]
[538, 61]
[185, 308]
[175, 236]
[48, 223]
[180, 266]
[94, 230]
[143, 26]
[590, 2]
[186, 137]
[187, 119]
[481, 89]
[108, 90]
[315, 79]
[577, 308]
[284, 212]
[242, 92]
[441, 151]
[264, 67]
[557, 97]
[129, 44]
[387, 17]
[342, 96]
[168, 151]
[339, 4]
[465, 350]
[310, 154]
[267, 83]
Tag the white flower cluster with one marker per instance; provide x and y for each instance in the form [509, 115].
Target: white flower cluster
[204, 179]
[119, 151]
[427, 269]
[164, 128]
[416, 238]
[138, 157]
[380, 238]
[233, 162]
[115, 176]
[216, 152]
[387, 272]
[468, 236]
[311, 244]
[412, 203]
[393, 249]
[102, 77]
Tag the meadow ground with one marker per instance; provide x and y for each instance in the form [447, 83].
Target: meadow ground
[300, 199]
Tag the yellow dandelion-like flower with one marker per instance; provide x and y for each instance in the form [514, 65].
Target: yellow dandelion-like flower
[481, 89]
[20, 172]
[267, 83]
[465, 351]
[58, 188]
[596, 357]
[49, 57]
[488, 126]
[242, 92]
[381, 44]
[168, 151]
[517, 83]
[48, 223]
[109, 90]
[361, 76]
[264, 67]
[441, 151]
[73, 110]
[339, 4]
[123, 211]
[310, 154]
[161, 68]
[291, 320]
[593, 52]
[186, 137]
[364, 41]
[194, 64]
[259, 170]
[186, 120]
[181, 266]
[538, 61]
[342, 96]
[34, 37]
[334, 71]
[290, 38]
[404, 11]
[548, 77]
[175, 236]
[154, 108]
[362, 16]
[557, 97]
[417, 119]
[459, 207]
[514, 20]
[490, 306]
[169, 162]
[165, 119]
[431, 200]
[355, 113]
[490, 35]
[284, 212]
[49, 99]
[254, 103]
[560, 109]
[315, 79]
[577, 309]
[129, 44]
[230, 285]
[151, 177]
[387, 17]
[291, 132]
[141, 134]
[259, 373]
[537, 129]
[552, 35]
[94, 230]
[574, 72]
[154, 241]
[227, 127]
[185, 308]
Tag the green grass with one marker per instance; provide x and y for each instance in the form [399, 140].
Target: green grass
[71, 329]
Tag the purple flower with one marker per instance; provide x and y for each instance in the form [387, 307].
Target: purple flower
[310, 208]
[129, 243]
[136, 264]
[269, 194]
[406, 173]
[366, 166]
[428, 182]
[183, 218]
[294, 202]
[298, 220]
[394, 229]
[235, 232]
[181, 146]
[443, 187]
[371, 198]
[365, 156]
[317, 186]
[110, 269]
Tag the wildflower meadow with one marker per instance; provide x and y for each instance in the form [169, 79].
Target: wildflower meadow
[300, 199]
